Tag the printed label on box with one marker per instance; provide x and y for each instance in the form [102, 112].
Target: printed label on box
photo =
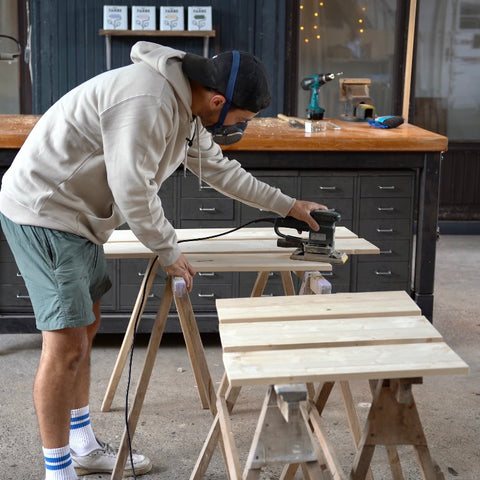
[143, 18]
[171, 18]
[115, 17]
[199, 18]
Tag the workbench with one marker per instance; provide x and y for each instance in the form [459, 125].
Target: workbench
[383, 182]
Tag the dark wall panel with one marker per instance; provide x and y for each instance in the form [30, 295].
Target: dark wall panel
[67, 49]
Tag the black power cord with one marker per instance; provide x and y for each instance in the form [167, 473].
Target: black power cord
[137, 320]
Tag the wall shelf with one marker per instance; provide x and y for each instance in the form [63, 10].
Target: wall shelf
[108, 34]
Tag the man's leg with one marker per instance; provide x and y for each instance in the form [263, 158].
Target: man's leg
[64, 352]
[82, 386]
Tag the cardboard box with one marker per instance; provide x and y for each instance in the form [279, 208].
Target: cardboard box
[172, 18]
[144, 18]
[200, 18]
[115, 17]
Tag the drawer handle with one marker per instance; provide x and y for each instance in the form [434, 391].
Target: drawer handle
[152, 295]
[206, 187]
[384, 230]
[19, 274]
[328, 188]
[206, 295]
[267, 295]
[207, 209]
[23, 297]
[386, 273]
[327, 274]
[386, 252]
[385, 209]
[141, 274]
[206, 274]
[386, 187]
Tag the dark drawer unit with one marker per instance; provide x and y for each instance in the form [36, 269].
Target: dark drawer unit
[376, 206]
[131, 273]
[386, 219]
[335, 191]
[285, 181]
[204, 295]
[339, 277]
[373, 276]
[202, 205]
[274, 287]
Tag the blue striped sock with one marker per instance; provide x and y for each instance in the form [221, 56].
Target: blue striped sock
[82, 438]
[58, 464]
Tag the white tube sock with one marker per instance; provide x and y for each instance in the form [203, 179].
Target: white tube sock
[82, 438]
[58, 464]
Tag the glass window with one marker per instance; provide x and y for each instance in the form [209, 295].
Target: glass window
[9, 60]
[355, 37]
[447, 83]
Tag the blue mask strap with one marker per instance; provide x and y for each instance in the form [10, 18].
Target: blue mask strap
[230, 87]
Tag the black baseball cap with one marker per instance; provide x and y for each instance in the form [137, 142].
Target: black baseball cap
[252, 87]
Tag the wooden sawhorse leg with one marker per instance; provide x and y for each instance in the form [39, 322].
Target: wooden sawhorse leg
[197, 358]
[282, 435]
[152, 349]
[133, 323]
[394, 420]
[261, 282]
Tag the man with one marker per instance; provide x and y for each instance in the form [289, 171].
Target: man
[96, 159]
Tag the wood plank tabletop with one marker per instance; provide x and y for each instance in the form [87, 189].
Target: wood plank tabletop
[320, 338]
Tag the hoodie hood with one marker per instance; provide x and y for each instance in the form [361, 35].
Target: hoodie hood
[168, 63]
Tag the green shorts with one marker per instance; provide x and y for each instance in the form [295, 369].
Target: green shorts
[64, 273]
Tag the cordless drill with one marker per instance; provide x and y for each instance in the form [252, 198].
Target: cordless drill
[314, 82]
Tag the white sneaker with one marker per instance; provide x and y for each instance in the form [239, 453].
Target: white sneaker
[103, 460]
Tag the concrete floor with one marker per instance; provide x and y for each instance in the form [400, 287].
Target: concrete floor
[172, 426]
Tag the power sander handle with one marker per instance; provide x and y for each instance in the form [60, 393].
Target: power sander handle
[322, 217]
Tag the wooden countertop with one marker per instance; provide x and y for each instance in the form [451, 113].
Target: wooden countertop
[272, 134]
[14, 129]
[276, 135]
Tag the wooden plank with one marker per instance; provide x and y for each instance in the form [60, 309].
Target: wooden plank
[250, 336]
[409, 59]
[342, 363]
[157, 33]
[247, 233]
[351, 246]
[252, 262]
[337, 305]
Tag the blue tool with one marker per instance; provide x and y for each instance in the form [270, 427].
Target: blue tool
[388, 121]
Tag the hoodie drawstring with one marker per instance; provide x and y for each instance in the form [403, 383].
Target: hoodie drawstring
[188, 144]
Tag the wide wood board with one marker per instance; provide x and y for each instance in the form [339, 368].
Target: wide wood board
[339, 332]
[342, 363]
[338, 305]
[247, 233]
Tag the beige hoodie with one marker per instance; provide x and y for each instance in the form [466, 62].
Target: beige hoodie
[98, 157]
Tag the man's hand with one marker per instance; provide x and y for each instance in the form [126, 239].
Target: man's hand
[181, 268]
[301, 211]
